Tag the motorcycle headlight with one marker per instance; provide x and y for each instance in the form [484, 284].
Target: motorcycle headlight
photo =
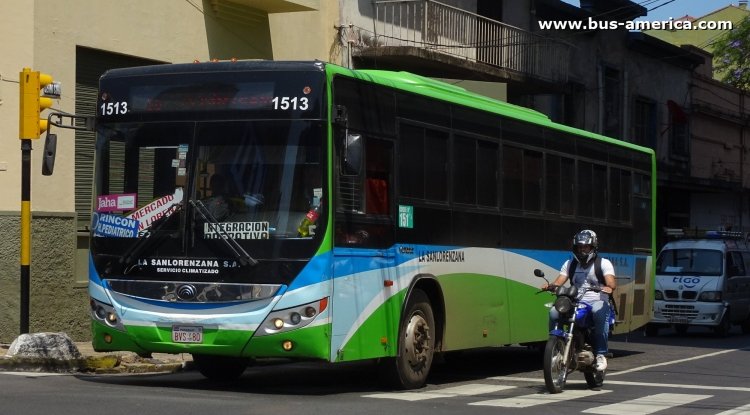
[714, 296]
[658, 295]
[563, 305]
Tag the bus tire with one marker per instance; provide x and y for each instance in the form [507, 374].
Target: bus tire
[416, 345]
[220, 368]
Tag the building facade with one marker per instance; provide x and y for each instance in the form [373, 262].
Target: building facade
[704, 184]
[76, 42]
[607, 81]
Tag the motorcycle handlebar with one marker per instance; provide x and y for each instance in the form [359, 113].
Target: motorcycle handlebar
[550, 288]
[553, 289]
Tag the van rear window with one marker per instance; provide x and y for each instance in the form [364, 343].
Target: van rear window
[690, 262]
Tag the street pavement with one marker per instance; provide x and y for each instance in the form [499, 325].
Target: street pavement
[96, 362]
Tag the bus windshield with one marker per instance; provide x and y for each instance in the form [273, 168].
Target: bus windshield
[184, 189]
[689, 262]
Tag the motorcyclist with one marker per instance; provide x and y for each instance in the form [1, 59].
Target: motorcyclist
[585, 247]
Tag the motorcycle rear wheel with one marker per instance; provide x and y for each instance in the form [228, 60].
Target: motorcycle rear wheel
[555, 370]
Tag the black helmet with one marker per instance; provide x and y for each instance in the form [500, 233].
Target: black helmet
[585, 237]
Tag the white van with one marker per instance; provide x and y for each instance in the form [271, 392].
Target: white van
[703, 282]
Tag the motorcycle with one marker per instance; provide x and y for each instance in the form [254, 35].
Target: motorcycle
[569, 346]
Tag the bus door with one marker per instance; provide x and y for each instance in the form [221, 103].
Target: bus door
[364, 322]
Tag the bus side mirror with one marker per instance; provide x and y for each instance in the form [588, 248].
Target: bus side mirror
[352, 163]
[48, 158]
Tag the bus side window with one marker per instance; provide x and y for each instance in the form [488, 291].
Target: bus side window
[374, 228]
[378, 165]
[376, 196]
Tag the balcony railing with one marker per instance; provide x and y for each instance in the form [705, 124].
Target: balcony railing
[449, 30]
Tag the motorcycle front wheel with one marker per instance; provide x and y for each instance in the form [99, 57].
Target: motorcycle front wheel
[555, 369]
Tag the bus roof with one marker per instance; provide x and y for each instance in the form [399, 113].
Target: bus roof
[221, 66]
[400, 80]
[437, 89]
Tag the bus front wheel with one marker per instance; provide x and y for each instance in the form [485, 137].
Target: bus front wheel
[416, 344]
[220, 368]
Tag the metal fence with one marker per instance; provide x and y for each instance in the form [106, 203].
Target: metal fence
[446, 29]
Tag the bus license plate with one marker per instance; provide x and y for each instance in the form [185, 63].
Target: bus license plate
[187, 334]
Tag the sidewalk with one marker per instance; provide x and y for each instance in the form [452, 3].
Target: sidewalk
[98, 362]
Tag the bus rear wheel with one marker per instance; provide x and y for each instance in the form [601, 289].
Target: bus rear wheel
[416, 344]
[220, 368]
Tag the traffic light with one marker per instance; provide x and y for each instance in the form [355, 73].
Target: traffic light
[32, 103]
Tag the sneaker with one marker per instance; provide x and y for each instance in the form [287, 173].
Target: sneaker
[601, 363]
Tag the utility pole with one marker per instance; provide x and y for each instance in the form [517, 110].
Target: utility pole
[30, 127]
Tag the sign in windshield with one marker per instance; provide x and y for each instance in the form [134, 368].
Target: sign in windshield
[690, 262]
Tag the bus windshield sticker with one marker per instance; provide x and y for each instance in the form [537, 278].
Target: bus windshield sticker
[114, 226]
[317, 194]
[237, 230]
[160, 207]
[112, 203]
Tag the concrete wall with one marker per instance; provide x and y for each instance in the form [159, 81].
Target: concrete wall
[59, 300]
[43, 35]
[718, 153]
[308, 35]
[641, 76]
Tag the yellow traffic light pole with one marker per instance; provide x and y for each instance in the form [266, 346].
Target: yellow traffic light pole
[29, 128]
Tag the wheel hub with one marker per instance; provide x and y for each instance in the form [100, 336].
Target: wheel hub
[417, 341]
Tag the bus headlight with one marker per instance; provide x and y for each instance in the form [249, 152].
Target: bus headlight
[712, 296]
[658, 295]
[106, 314]
[280, 321]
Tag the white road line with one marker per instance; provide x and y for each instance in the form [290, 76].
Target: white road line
[678, 386]
[461, 390]
[647, 404]
[672, 362]
[740, 410]
[34, 374]
[607, 381]
[526, 401]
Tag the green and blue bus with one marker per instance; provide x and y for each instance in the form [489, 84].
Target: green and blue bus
[258, 209]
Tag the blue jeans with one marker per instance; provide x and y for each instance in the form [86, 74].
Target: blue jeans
[600, 311]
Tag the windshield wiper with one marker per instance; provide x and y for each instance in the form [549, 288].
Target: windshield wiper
[151, 236]
[229, 241]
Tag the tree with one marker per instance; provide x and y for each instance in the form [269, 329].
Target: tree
[732, 55]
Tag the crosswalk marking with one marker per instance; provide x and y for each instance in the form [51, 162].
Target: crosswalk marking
[740, 410]
[647, 404]
[640, 406]
[526, 401]
[461, 390]
[608, 382]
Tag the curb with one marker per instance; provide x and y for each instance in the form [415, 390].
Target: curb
[105, 364]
